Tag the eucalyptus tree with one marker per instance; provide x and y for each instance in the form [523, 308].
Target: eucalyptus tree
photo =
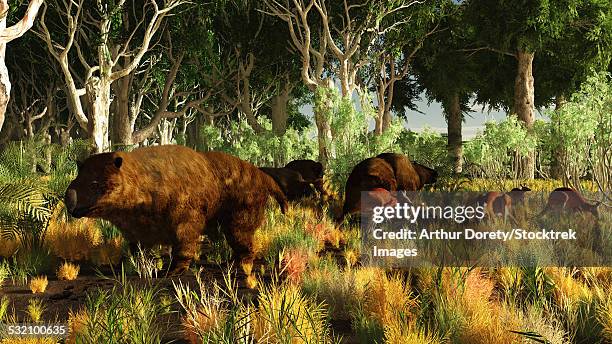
[413, 27]
[8, 34]
[171, 85]
[335, 41]
[522, 30]
[258, 74]
[448, 75]
[89, 38]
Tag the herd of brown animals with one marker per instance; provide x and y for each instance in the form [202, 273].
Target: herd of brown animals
[170, 195]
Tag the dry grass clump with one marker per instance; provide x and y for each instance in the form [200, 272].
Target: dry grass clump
[68, 271]
[299, 228]
[77, 323]
[294, 263]
[38, 284]
[384, 297]
[72, 239]
[214, 313]
[397, 331]
[285, 315]
[604, 316]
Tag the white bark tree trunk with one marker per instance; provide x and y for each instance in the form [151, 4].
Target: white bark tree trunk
[7, 35]
[98, 91]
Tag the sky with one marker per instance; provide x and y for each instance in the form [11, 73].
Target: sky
[432, 118]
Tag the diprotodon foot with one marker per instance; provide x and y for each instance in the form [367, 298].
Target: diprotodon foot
[179, 266]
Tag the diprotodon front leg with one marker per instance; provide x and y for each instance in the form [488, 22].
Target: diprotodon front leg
[185, 249]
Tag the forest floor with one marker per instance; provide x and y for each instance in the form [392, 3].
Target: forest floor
[62, 297]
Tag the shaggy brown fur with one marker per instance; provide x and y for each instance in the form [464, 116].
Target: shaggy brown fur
[309, 169]
[169, 194]
[389, 171]
[290, 182]
[410, 176]
[370, 174]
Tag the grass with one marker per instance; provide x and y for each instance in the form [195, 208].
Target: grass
[126, 314]
[38, 284]
[68, 272]
[214, 313]
[314, 282]
[35, 310]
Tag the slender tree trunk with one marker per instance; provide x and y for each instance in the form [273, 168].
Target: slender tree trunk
[166, 130]
[524, 105]
[345, 86]
[123, 125]
[455, 141]
[98, 93]
[556, 168]
[380, 112]
[279, 111]
[323, 105]
[193, 136]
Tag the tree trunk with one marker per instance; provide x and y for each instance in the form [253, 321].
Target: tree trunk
[5, 84]
[98, 91]
[344, 79]
[279, 111]
[166, 130]
[193, 135]
[455, 141]
[524, 105]
[558, 154]
[7, 35]
[123, 124]
[321, 112]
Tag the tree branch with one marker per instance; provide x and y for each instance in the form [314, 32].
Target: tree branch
[23, 25]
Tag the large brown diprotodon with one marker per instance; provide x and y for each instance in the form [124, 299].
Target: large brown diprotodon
[389, 171]
[170, 194]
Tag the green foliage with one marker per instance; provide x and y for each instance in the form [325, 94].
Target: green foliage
[427, 147]
[125, 314]
[27, 199]
[493, 153]
[579, 132]
[352, 140]
[261, 149]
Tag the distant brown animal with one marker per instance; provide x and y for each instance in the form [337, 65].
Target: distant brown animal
[518, 194]
[290, 182]
[169, 195]
[409, 175]
[310, 170]
[389, 171]
[496, 204]
[570, 201]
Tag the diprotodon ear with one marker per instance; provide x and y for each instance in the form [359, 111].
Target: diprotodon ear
[118, 162]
